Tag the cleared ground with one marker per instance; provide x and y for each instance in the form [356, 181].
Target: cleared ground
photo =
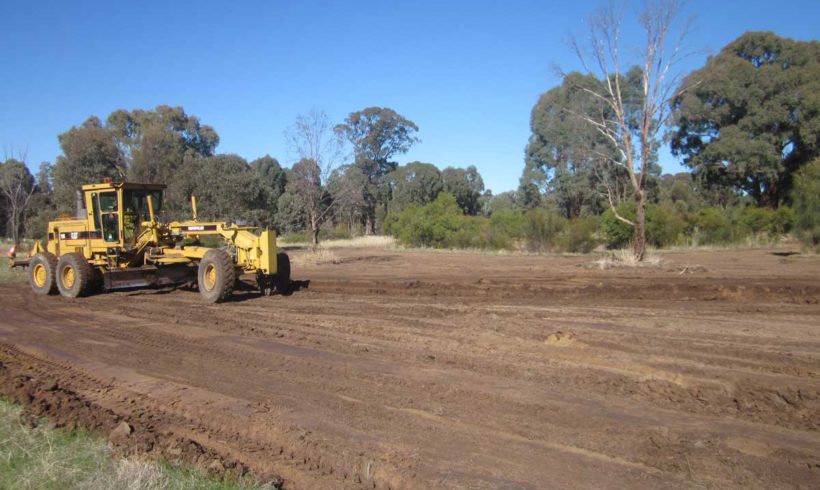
[445, 370]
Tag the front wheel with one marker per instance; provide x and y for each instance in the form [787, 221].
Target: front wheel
[216, 276]
[41, 272]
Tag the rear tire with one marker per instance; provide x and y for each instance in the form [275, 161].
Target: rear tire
[282, 278]
[41, 273]
[216, 276]
[74, 275]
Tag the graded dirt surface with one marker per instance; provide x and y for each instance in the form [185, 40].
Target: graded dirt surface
[450, 370]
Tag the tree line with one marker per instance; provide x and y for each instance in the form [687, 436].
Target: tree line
[747, 124]
[343, 175]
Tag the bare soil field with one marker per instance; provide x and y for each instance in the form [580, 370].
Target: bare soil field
[450, 370]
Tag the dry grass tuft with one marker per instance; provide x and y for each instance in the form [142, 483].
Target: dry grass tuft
[358, 242]
[362, 241]
[129, 474]
[315, 256]
[625, 258]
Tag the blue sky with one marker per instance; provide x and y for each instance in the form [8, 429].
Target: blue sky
[467, 72]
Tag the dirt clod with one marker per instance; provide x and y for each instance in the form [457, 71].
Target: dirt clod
[561, 339]
[120, 433]
[216, 467]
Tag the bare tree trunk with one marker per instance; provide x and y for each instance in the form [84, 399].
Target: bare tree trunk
[15, 225]
[315, 226]
[639, 232]
[315, 231]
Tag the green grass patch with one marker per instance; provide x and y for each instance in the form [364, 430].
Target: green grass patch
[47, 458]
[9, 275]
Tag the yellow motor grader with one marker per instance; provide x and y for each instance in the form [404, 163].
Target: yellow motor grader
[116, 242]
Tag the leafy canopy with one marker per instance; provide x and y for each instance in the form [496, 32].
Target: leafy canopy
[377, 134]
[752, 116]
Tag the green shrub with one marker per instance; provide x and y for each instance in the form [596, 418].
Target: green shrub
[300, 237]
[476, 232]
[754, 220]
[806, 203]
[433, 225]
[618, 234]
[543, 229]
[339, 232]
[773, 222]
[665, 225]
[782, 221]
[506, 228]
[713, 227]
[579, 236]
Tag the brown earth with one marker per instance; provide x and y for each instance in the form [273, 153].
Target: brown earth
[450, 370]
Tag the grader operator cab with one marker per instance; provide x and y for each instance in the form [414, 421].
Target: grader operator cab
[117, 242]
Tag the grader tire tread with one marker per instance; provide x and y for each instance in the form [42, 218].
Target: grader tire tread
[49, 261]
[282, 278]
[225, 275]
[82, 275]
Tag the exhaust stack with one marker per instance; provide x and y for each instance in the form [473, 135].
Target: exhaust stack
[80, 204]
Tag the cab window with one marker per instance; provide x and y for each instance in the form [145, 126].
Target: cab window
[136, 203]
[108, 216]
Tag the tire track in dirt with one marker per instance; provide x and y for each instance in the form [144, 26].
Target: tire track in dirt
[659, 382]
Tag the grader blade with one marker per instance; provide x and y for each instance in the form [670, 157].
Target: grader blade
[135, 277]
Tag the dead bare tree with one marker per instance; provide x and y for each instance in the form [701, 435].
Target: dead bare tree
[318, 152]
[632, 113]
[17, 187]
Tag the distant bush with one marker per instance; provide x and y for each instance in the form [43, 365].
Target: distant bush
[806, 202]
[666, 225]
[754, 221]
[433, 225]
[335, 233]
[475, 232]
[782, 221]
[543, 229]
[579, 236]
[618, 234]
[329, 233]
[300, 237]
[506, 229]
[442, 224]
[712, 226]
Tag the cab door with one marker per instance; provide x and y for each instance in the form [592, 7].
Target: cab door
[107, 215]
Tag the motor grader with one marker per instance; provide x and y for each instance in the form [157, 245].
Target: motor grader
[116, 242]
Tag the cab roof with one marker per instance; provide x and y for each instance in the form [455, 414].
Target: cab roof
[123, 185]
